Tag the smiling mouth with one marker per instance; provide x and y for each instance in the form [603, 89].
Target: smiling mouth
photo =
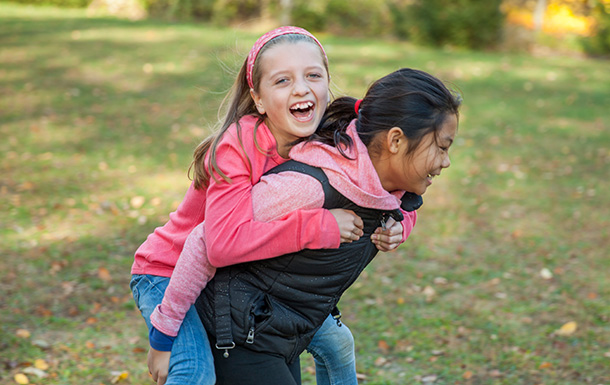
[302, 111]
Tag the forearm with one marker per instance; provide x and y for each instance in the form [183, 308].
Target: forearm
[297, 221]
[191, 274]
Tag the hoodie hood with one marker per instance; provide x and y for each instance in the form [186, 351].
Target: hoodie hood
[355, 178]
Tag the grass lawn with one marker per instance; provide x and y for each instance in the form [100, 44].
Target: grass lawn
[98, 120]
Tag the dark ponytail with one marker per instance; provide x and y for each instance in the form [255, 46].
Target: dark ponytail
[333, 127]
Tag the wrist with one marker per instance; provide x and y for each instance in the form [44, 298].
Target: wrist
[159, 341]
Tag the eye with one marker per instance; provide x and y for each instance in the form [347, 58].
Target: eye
[315, 75]
[281, 81]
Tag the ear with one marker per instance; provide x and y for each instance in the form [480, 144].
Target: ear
[395, 139]
[257, 102]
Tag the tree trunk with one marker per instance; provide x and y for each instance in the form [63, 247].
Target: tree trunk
[539, 15]
[286, 6]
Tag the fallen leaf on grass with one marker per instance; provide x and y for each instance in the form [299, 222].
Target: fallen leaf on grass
[546, 274]
[21, 378]
[137, 202]
[36, 372]
[23, 333]
[383, 346]
[41, 364]
[545, 365]
[467, 375]
[119, 376]
[104, 274]
[567, 329]
[495, 373]
[380, 361]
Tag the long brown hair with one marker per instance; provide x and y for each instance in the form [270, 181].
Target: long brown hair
[240, 105]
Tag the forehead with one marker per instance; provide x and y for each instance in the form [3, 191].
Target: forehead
[448, 129]
[304, 52]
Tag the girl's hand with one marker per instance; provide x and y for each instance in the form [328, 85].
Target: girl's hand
[158, 365]
[350, 225]
[389, 239]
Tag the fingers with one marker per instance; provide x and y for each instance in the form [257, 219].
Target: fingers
[388, 240]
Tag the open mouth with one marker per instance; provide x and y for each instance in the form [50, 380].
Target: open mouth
[302, 111]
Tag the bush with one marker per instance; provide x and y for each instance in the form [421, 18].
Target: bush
[310, 15]
[599, 42]
[358, 17]
[57, 3]
[464, 23]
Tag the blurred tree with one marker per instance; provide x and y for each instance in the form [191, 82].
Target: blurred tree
[539, 12]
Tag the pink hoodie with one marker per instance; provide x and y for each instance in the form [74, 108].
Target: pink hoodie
[272, 198]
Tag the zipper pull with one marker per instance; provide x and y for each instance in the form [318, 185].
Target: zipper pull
[250, 338]
[383, 222]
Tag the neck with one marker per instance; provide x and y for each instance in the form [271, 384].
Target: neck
[380, 164]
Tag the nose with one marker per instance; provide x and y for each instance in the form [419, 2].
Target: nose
[446, 162]
[300, 87]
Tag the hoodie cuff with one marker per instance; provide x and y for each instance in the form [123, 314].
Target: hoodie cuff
[160, 341]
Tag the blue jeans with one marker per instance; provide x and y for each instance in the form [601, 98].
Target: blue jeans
[191, 360]
[333, 351]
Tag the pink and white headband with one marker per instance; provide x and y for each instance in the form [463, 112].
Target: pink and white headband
[260, 43]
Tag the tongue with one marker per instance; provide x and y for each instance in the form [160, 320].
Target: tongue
[301, 114]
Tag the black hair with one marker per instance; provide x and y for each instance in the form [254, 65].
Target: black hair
[413, 100]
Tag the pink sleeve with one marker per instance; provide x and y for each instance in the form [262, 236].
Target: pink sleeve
[232, 234]
[192, 273]
[410, 217]
[276, 195]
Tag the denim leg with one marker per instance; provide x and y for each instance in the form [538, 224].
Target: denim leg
[333, 350]
[191, 360]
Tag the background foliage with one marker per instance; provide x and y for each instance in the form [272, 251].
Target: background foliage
[503, 281]
[462, 23]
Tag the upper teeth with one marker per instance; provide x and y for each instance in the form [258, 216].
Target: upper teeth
[303, 105]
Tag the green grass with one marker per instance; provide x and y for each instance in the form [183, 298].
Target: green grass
[95, 112]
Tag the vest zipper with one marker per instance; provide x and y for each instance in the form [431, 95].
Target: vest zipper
[250, 338]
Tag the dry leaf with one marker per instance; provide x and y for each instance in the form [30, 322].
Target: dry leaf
[91, 320]
[467, 375]
[137, 202]
[546, 274]
[41, 364]
[21, 378]
[380, 361]
[36, 372]
[567, 329]
[104, 274]
[23, 333]
[383, 346]
[120, 377]
[429, 292]
[545, 365]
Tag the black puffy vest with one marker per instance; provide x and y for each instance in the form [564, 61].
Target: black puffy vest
[277, 305]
